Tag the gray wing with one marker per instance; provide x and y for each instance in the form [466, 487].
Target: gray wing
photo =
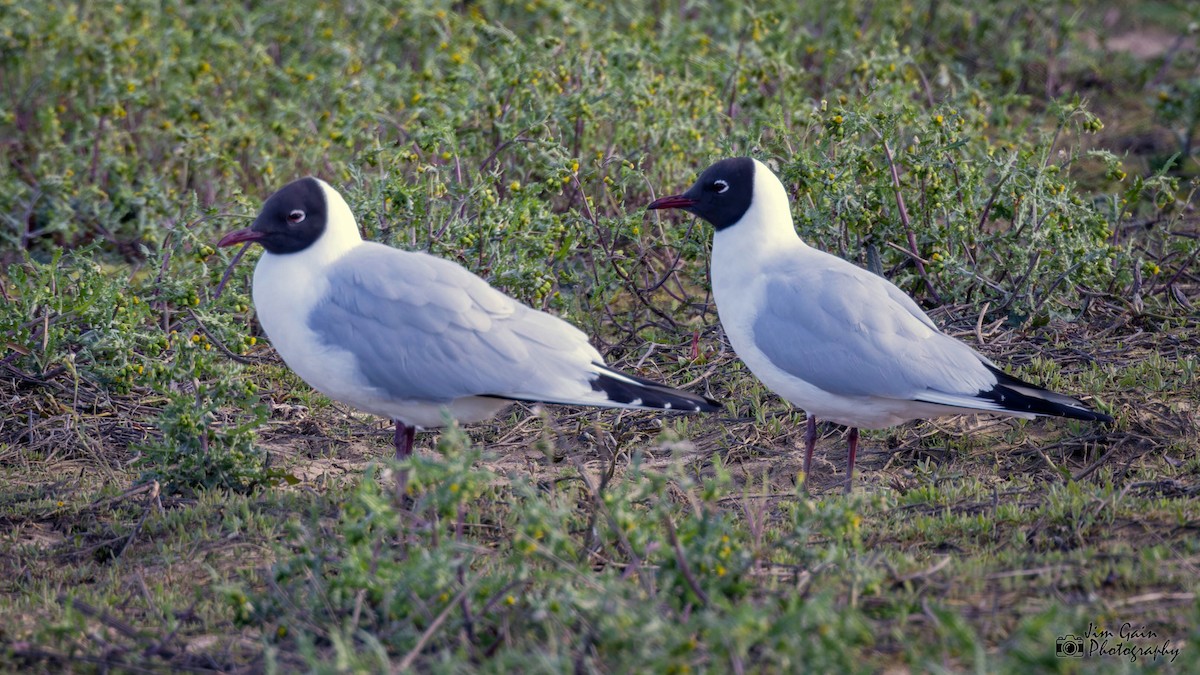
[423, 328]
[854, 333]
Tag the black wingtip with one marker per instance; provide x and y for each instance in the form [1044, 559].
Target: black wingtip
[1018, 395]
[621, 387]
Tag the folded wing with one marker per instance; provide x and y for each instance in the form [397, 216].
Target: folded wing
[423, 328]
[853, 333]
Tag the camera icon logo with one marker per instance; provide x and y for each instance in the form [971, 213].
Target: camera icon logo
[1068, 647]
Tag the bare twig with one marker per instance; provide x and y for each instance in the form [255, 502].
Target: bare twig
[979, 322]
[683, 564]
[220, 345]
[1168, 60]
[922, 574]
[151, 499]
[28, 234]
[519, 138]
[101, 616]
[1095, 465]
[904, 219]
[1154, 597]
[628, 281]
[635, 561]
[228, 270]
[407, 662]
[987, 207]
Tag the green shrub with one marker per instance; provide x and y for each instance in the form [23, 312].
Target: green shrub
[156, 334]
[646, 581]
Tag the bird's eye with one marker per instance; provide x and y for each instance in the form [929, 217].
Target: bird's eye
[720, 186]
[296, 217]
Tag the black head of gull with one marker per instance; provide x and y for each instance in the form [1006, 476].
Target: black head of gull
[721, 195]
[291, 220]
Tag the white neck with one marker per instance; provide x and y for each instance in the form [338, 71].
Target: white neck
[287, 285]
[340, 235]
[765, 231]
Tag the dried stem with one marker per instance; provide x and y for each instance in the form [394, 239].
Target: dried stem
[912, 237]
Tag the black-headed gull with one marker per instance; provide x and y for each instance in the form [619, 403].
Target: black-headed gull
[413, 337]
[832, 338]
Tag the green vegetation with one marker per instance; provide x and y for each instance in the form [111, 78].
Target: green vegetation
[174, 498]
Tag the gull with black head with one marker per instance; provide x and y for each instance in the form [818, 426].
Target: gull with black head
[413, 337]
[840, 342]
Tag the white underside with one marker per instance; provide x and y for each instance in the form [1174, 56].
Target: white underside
[867, 412]
[285, 291]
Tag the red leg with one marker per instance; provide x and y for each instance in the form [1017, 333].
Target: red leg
[810, 442]
[403, 440]
[853, 439]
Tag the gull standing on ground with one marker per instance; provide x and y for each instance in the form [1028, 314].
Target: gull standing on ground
[840, 342]
[412, 337]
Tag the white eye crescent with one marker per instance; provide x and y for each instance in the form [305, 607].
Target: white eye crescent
[721, 186]
[296, 216]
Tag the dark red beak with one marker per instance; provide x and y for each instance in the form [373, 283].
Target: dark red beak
[239, 236]
[672, 202]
